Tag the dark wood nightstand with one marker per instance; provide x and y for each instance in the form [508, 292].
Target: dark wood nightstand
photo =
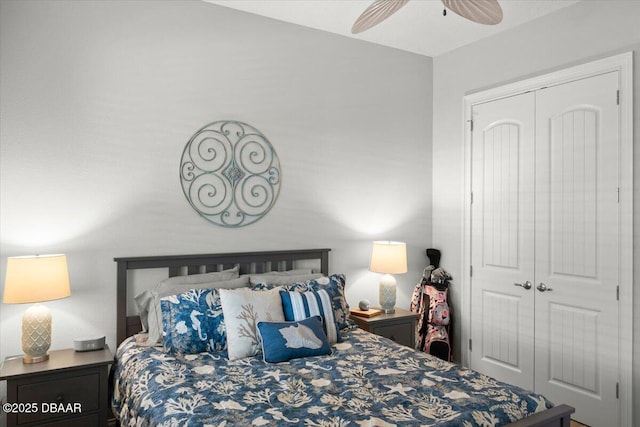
[70, 389]
[399, 326]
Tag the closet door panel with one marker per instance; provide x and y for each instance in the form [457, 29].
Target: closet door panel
[573, 179]
[502, 242]
[576, 246]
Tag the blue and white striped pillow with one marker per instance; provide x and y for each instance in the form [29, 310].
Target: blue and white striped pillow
[302, 305]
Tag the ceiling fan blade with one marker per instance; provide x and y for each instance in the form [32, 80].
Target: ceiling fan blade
[486, 12]
[376, 13]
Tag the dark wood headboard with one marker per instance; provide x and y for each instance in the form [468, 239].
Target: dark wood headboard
[248, 262]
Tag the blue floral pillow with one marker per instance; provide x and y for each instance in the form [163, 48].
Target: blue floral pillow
[192, 322]
[283, 341]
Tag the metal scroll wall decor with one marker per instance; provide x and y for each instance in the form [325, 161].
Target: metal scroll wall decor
[230, 173]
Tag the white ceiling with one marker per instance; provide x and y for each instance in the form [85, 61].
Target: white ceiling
[418, 27]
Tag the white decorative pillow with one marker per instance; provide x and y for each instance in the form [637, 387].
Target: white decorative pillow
[243, 309]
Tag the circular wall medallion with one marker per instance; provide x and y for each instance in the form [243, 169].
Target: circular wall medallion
[230, 173]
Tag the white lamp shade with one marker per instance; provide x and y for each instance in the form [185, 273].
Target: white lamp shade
[389, 257]
[36, 279]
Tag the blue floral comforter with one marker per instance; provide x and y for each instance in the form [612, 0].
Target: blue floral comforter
[366, 381]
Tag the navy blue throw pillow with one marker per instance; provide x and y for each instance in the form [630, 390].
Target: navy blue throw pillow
[283, 341]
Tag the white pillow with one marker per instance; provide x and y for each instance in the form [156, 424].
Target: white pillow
[243, 309]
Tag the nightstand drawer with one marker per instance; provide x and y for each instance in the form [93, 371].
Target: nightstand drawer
[77, 394]
[399, 326]
[400, 333]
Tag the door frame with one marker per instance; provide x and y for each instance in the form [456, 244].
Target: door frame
[623, 63]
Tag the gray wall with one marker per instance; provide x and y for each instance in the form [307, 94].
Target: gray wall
[99, 99]
[585, 31]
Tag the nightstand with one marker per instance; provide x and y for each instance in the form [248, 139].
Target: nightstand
[70, 389]
[399, 326]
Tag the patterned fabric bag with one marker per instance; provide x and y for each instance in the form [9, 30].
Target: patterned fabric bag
[431, 301]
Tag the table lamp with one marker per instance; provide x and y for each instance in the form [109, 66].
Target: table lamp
[388, 258]
[36, 279]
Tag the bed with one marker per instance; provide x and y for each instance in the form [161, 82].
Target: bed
[365, 380]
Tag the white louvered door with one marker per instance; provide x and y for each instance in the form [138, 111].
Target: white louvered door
[545, 213]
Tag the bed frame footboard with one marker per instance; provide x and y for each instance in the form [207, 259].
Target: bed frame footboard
[558, 416]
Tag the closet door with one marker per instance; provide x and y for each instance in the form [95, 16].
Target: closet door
[576, 247]
[502, 221]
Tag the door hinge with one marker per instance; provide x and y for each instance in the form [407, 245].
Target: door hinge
[618, 194]
[617, 390]
[618, 97]
[471, 124]
[618, 293]
[470, 346]
[472, 197]
[471, 271]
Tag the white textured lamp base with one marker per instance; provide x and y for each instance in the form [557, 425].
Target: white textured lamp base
[387, 296]
[36, 334]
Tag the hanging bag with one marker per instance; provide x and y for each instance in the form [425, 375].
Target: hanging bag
[430, 300]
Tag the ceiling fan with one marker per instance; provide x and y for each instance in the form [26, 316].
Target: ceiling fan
[486, 12]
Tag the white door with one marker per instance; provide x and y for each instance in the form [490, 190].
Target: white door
[576, 247]
[502, 309]
[545, 214]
